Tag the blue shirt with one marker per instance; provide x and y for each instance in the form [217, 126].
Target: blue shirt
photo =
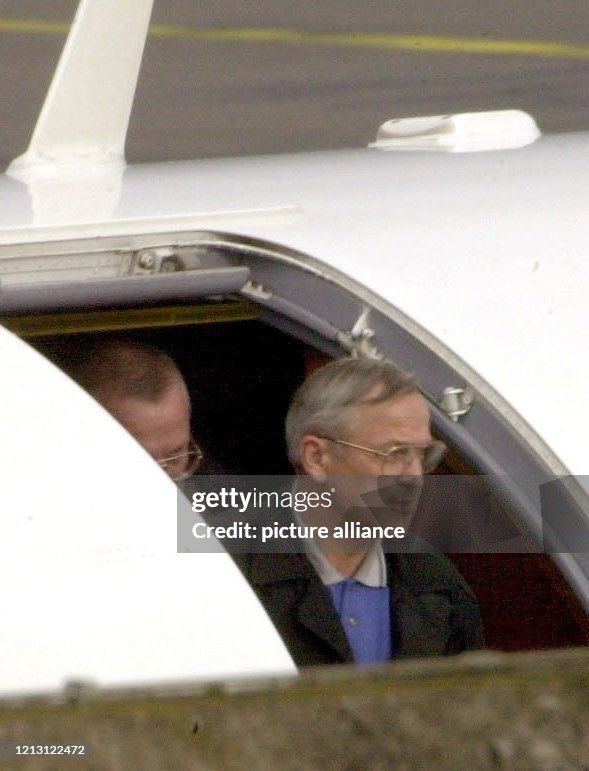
[365, 613]
[363, 602]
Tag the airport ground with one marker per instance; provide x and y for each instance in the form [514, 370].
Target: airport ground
[235, 78]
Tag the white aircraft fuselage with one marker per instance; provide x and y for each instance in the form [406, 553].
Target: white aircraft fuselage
[468, 267]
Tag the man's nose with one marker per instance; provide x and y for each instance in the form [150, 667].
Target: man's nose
[414, 467]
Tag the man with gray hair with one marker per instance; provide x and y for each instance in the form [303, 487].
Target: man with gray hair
[360, 429]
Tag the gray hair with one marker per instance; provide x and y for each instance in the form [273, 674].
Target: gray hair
[323, 404]
[124, 368]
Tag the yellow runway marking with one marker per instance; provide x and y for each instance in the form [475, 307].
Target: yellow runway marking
[32, 27]
[415, 43]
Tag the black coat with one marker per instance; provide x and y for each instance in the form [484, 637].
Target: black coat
[434, 611]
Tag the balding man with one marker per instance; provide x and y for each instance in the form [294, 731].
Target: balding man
[144, 390]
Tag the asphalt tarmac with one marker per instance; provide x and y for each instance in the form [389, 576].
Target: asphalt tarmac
[235, 77]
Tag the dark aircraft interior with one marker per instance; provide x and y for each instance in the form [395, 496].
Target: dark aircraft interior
[241, 373]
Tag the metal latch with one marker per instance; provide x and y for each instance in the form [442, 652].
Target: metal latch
[256, 291]
[457, 402]
[358, 341]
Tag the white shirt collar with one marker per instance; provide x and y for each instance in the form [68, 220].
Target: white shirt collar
[372, 570]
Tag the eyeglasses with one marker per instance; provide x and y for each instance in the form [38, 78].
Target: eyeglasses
[402, 455]
[183, 465]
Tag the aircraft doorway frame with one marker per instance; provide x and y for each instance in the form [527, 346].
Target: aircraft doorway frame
[326, 309]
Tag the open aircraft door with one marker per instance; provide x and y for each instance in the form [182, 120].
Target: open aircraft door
[94, 589]
[254, 315]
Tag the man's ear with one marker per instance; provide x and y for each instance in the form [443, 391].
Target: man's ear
[314, 453]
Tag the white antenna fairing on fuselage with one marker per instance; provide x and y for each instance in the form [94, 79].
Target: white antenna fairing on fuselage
[75, 161]
[85, 116]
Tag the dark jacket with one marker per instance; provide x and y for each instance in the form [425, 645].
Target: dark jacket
[434, 611]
